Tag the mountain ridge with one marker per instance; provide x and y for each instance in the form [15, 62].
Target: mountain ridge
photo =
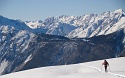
[83, 26]
[49, 43]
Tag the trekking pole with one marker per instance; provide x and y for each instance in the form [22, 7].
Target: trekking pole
[109, 69]
[101, 68]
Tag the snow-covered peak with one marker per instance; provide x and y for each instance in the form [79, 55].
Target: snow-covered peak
[119, 11]
[34, 24]
[73, 26]
[117, 26]
[17, 24]
[81, 26]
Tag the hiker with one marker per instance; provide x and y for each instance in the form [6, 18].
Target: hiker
[105, 63]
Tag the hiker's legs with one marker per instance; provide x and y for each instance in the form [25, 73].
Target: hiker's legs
[105, 68]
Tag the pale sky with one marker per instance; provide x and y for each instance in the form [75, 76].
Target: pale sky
[27, 10]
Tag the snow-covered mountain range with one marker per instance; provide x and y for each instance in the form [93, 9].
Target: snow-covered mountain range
[26, 45]
[81, 26]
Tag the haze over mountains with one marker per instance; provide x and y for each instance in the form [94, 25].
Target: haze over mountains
[60, 40]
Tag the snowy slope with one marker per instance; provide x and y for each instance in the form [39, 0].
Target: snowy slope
[15, 37]
[81, 26]
[87, 70]
[17, 24]
[13, 44]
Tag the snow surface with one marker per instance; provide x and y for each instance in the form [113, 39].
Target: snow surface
[28, 58]
[3, 65]
[86, 70]
[119, 25]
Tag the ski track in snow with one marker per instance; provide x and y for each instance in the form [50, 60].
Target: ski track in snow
[100, 70]
[91, 69]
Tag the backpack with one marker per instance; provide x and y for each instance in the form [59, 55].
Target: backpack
[105, 63]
